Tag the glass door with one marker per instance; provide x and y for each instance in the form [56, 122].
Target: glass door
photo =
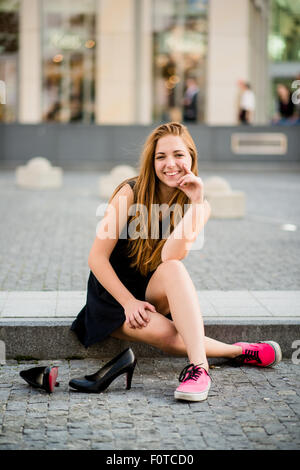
[179, 59]
[69, 60]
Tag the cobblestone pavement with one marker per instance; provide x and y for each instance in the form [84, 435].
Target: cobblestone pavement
[46, 236]
[247, 408]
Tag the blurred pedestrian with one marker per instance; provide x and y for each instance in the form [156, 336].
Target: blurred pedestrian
[53, 114]
[246, 103]
[285, 107]
[190, 105]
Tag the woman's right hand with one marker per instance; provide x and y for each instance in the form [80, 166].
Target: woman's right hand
[137, 313]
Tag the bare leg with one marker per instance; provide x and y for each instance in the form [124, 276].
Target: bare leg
[161, 333]
[184, 306]
[171, 289]
[216, 348]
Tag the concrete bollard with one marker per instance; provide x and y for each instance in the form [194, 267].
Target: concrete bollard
[38, 173]
[108, 183]
[225, 203]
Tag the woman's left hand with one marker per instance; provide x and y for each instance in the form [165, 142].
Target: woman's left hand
[191, 185]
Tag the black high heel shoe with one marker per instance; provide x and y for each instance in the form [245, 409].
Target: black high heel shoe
[124, 363]
[41, 377]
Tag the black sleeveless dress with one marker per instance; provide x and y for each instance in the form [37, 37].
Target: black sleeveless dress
[102, 314]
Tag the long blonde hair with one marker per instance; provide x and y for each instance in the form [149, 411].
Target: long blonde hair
[146, 252]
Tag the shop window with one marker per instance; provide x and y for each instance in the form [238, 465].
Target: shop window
[179, 59]
[68, 69]
[9, 47]
[284, 54]
[284, 39]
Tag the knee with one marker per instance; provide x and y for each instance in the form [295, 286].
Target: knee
[171, 267]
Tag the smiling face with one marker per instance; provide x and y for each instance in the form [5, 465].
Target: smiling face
[170, 153]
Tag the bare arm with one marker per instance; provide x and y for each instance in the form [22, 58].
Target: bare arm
[185, 233]
[103, 246]
[104, 243]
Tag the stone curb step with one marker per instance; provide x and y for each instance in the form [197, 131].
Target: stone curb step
[54, 340]
[37, 324]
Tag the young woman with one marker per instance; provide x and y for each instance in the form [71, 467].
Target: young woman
[139, 289]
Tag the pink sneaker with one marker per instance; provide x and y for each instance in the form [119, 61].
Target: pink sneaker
[195, 384]
[262, 354]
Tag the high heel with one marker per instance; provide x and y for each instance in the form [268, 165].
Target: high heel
[129, 375]
[41, 377]
[125, 362]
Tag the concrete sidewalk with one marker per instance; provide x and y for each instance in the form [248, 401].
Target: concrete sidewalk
[36, 324]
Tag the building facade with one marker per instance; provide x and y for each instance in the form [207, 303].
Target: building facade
[143, 61]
